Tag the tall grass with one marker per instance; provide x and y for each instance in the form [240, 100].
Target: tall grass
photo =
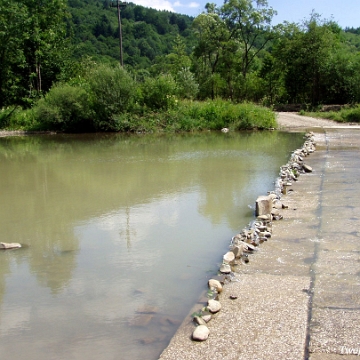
[15, 118]
[217, 114]
[350, 114]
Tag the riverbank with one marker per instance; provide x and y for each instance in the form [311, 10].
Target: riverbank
[298, 297]
[52, 113]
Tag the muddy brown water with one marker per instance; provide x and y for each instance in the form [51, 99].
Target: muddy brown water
[120, 234]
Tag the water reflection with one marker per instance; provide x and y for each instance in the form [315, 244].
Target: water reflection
[122, 232]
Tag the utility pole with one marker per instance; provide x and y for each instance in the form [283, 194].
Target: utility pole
[120, 5]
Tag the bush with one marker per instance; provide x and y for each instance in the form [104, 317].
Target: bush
[65, 108]
[188, 88]
[159, 93]
[112, 93]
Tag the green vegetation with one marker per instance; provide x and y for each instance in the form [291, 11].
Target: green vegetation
[59, 66]
[108, 99]
[347, 114]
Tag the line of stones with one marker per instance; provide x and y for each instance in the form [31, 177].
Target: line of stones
[267, 210]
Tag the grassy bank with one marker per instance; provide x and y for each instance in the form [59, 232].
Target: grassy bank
[185, 116]
[347, 114]
[110, 99]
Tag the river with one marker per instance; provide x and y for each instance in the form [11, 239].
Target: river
[120, 234]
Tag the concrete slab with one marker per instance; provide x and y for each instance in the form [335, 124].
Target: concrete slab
[266, 321]
[334, 329]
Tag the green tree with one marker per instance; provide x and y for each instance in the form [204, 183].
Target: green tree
[187, 86]
[13, 21]
[273, 79]
[44, 44]
[173, 62]
[249, 22]
[159, 92]
[230, 39]
[341, 82]
[213, 41]
[32, 47]
[305, 54]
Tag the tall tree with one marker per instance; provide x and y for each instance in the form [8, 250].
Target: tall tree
[46, 33]
[305, 53]
[213, 39]
[32, 34]
[249, 22]
[229, 40]
[272, 77]
[13, 21]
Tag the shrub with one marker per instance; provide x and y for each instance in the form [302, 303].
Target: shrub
[112, 93]
[159, 93]
[188, 88]
[65, 108]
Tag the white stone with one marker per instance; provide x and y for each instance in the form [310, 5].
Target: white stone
[229, 257]
[201, 333]
[225, 269]
[277, 204]
[206, 318]
[214, 306]
[272, 196]
[215, 285]
[9, 245]
[264, 217]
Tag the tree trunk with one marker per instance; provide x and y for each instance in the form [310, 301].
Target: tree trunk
[38, 77]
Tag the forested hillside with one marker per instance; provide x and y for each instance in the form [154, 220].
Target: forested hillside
[147, 33]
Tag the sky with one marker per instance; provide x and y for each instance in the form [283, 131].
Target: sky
[345, 12]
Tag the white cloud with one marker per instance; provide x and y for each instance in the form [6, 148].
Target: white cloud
[167, 5]
[156, 4]
[194, 5]
[188, 5]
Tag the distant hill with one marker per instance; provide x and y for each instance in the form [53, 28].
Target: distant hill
[147, 33]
